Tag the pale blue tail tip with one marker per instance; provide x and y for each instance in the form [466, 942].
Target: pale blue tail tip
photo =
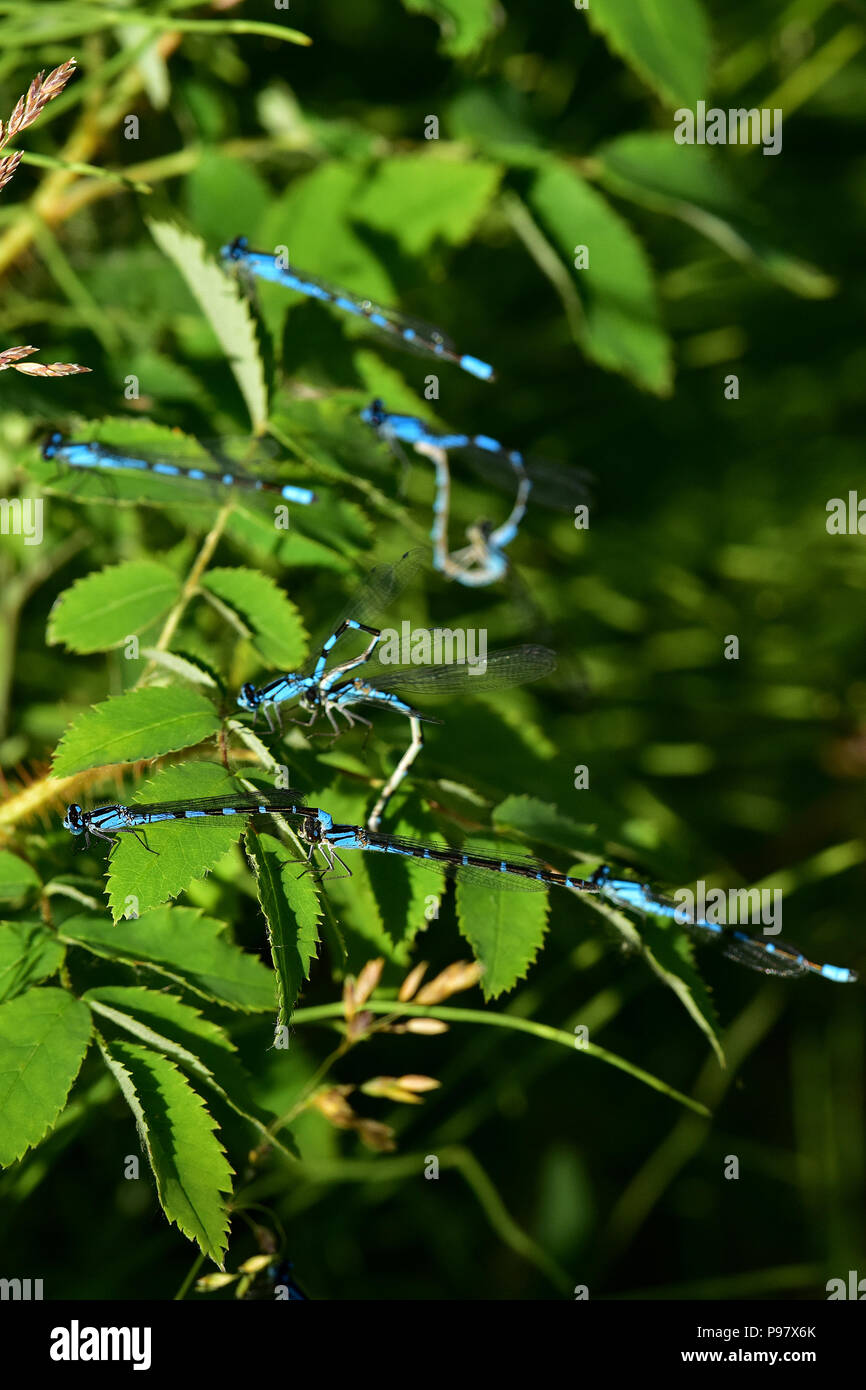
[482, 370]
[301, 495]
[839, 974]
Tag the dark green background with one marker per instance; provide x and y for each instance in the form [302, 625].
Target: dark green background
[709, 520]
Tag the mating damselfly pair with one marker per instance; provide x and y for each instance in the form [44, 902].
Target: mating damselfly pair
[484, 560]
[365, 681]
[317, 831]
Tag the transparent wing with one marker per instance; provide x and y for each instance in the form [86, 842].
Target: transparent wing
[286, 803]
[631, 896]
[241, 456]
[509, 667]
[756, 956]
[560, 487]
[382, 587]
[487, 873]
[394, 321]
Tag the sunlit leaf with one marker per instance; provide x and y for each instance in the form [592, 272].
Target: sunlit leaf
[619, 326]
[667, 44]
[29, 952]
[179, 1137]
[292, 911]
[139, 724]
[223, 303]
[178, 852]
[44, 1035]
[184, 946]
[505, 930]
[103, 609]
[276, 624]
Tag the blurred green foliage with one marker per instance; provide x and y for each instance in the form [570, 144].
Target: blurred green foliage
[709, 521]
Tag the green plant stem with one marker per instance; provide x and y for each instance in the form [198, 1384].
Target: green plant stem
[190, 587]
[47, 161]
[206, 26]
[308, 1089]
[321, 1012]
[189, 1277]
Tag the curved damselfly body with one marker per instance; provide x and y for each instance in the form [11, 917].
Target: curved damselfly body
[95, 456]
[770, 957]
[411, 334]
[483, 561]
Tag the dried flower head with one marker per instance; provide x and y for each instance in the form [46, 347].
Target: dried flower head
[463, 974]
[376, 1136]
[428, 1026]
[331, 1102]
[9, 356]
[51, 368]
[8, 164]
[41, 90]
[357, 992]
[405, 1089]
[412, 981]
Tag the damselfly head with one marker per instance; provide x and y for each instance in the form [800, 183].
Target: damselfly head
[374, 413]
[248, 697]
[74, 819]
[50, 444]
[235, 249]
[603, 874]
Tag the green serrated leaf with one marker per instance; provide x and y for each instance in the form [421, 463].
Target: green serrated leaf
[170, 1026]
[179, 1135]
[180, 851]
[102, 610]
[44, 1035]
[505, 930]
[28, 953]
[183, 945]
[542, 821]
[139, 724]
[222, 301]
[667, 44]
[686, 182]
[420, 198]
[292, 911]
[315, 218]
[17, 878]
[620, 327]
[278, 631]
